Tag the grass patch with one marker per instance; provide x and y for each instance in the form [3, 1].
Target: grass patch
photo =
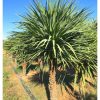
[12, 89]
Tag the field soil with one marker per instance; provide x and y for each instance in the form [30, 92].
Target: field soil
[13, 89]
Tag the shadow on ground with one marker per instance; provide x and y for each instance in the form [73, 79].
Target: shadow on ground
[62, 79]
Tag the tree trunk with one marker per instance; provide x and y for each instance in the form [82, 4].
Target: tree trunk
[41, 69]
[14, 61]
[40, 63]
[52, 81]
[24, 65]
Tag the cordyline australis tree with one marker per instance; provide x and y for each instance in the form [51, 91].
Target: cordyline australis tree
[19, 48]
[86, 51]
[56, 32]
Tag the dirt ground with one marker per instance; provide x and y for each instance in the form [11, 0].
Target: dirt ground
[13, 90]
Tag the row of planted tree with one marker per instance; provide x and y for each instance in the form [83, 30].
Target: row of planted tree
[59, 34]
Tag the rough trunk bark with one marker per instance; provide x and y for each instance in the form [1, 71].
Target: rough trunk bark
[14, 61]
[40, 63]
[41, 67]
[24, 65]
[52, 81]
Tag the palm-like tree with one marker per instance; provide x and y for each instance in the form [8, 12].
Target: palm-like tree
[19, 48]
[56, 33]
[87, 53]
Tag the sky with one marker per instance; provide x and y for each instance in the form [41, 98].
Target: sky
[13, 8]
